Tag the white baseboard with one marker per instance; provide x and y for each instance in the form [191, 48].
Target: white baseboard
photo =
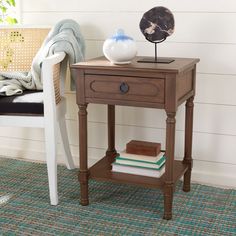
[213, 174]
[214, 179]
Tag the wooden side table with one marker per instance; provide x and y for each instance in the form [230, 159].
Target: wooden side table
[161, 86]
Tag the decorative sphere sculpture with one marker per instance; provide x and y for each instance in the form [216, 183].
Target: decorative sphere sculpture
[157, 24]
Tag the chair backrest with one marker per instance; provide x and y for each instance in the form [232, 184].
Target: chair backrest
[18, 46]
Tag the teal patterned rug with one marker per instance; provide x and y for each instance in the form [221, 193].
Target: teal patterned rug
[114, 209]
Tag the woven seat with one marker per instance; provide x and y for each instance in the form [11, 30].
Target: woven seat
[45, 109]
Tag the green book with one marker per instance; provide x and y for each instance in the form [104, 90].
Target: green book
[141, 164]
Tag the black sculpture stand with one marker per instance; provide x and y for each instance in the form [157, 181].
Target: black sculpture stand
[156, 59]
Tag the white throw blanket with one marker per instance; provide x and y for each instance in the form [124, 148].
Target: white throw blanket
[66, 37]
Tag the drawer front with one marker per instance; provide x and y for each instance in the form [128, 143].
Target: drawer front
[125, 88]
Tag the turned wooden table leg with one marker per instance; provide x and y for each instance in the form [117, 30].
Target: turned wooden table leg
[188, 143]
[168, 200]
[83, 170]
[169, 179]
[111, 151]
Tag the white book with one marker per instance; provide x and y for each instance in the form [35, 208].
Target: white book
[128, 156]
[138, 170]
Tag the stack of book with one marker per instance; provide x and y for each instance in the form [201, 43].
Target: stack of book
[141, 158]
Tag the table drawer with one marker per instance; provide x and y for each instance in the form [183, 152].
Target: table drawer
[125, 88]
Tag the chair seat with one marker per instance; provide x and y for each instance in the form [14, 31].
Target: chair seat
[30, 102]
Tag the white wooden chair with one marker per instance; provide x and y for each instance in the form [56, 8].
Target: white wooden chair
[18, 46]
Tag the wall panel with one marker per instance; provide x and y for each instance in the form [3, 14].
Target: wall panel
[130, 6]
[189, 26]
[206, 146]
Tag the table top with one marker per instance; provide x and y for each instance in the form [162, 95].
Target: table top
[177, 66]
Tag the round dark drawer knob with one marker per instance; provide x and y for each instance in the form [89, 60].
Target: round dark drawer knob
[124, 88]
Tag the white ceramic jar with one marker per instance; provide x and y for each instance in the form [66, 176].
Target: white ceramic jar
[120, 48]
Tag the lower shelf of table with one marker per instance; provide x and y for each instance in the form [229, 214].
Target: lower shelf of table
[101, 171]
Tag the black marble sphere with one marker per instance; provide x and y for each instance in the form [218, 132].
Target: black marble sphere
[157, 24]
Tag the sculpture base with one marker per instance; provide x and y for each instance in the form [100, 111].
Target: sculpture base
[162, 60]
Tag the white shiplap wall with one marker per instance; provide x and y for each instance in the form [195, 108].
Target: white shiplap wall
[204, 29]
